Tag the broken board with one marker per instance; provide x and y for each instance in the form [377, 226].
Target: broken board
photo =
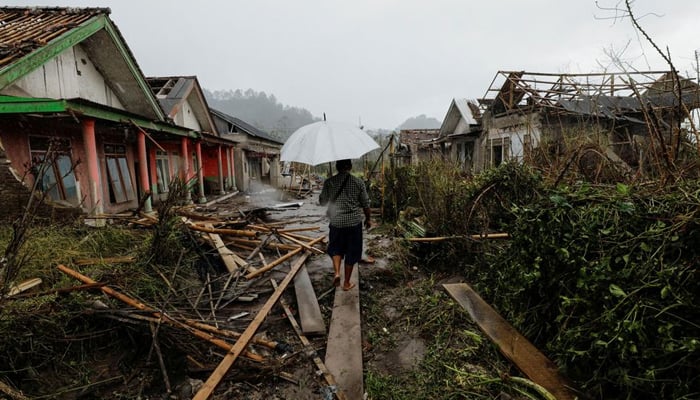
[309, 311]
[230, 259]
[535, 365]
[344, 349]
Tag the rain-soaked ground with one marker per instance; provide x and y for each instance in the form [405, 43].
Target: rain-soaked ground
[305, 214]
[281, 206]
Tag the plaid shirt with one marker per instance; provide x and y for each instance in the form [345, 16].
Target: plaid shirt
[347, 209]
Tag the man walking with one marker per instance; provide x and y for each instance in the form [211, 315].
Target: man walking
[347, 200]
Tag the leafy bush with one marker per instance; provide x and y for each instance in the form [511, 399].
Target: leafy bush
[603, 278]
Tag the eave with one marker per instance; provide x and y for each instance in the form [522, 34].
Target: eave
[21, 105]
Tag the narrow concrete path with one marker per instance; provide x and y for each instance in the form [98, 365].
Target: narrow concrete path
[344, 348]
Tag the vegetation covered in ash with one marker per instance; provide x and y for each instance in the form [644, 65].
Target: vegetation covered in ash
[601, 276]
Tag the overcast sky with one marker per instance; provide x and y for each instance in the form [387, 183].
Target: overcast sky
[383, 61]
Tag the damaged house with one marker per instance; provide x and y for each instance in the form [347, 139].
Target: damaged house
[460, 132]
[184, 104]
[257, 156]
[79, 121]
[624, 112]
[417, 145]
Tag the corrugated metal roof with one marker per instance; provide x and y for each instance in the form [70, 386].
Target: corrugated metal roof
[25, 29]
[465, 110]
[461, 108]
[244, 126]
[171, 91]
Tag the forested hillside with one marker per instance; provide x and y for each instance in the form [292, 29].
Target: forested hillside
[260, 110]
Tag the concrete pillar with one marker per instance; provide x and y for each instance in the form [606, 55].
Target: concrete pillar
[200, 172]
[153, 175]
[275, 173]
[222, 188]
[232, 151]
[185, 168]
[95, 182]
[229, 169]
[143, 171]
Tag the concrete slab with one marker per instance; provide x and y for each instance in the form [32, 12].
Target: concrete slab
[344, 348]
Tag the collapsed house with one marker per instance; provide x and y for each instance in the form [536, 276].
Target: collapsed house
[622, 112]
[417, 145]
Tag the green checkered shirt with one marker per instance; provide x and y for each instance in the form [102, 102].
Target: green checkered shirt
[347, 209]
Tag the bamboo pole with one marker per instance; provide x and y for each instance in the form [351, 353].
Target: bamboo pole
[257, 242]
[273, 264]
[165, 318]
[222, 231]
[475, 237]
[298, 236]
[307, 246]
[214, 379]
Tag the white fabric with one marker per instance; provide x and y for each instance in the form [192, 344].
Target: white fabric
[323, 141]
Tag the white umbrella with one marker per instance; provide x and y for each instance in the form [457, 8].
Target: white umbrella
[323, 141]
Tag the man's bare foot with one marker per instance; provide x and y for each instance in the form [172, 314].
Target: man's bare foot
[336, 281]
[348, 287]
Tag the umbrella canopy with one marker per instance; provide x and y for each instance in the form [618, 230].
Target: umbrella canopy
[324, 141]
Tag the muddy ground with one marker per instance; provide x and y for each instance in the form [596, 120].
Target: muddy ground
[268, 383]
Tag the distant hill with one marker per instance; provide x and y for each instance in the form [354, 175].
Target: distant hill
[263, 111]
[260, 110]
[420, 122]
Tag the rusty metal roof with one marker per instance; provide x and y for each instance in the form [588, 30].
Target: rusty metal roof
[26, 29]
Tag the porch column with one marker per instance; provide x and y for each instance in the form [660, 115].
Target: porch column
[222, 188]
[227, 154]
[234, 187]
[143, 171]
[185, 170]
[95, 183]
[200, 172]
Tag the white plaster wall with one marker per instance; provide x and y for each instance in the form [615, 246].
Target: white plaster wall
[70, 74]
[185, 117]
[517, 138]
[462, 126]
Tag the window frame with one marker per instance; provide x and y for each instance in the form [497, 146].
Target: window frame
[120, 182]
[58, 189]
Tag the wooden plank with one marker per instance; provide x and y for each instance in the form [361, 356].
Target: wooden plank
[344, 349]
[327, 375]
[214, 379]
[224, 252]
[535, 365]
[307, 304]
[232, 261]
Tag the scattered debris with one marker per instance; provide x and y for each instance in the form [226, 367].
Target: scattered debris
[512, 344]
